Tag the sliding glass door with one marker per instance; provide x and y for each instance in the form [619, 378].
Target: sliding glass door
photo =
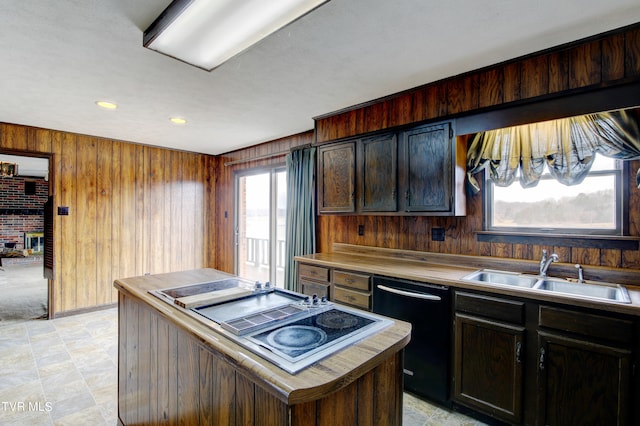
[261, 202]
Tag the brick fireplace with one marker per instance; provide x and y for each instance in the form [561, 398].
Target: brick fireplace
[21, 210]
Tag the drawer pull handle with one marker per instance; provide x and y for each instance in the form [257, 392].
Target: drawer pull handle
[424, 296]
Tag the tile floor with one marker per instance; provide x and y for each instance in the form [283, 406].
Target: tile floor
[64, 372]
[61, 372]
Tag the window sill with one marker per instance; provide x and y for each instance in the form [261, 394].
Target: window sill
[567, 240]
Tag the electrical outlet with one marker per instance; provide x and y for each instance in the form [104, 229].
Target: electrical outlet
[361, 230]
[63, 211]
[437, 234]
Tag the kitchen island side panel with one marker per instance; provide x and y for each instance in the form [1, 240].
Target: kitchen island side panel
[180, 381]
[373, 399]
[167, 376]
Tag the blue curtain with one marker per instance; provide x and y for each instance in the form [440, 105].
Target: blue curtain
[301, 210]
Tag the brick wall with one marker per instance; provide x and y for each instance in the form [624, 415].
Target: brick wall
[20, 213]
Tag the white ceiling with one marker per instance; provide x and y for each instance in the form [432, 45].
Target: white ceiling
[58, 57]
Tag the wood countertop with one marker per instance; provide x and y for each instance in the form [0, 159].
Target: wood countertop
[319, 380]
[448, 270]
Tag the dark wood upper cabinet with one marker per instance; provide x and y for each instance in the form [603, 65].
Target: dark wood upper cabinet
[427, 168]
[336, 178]
[419, 171]
[378, 163]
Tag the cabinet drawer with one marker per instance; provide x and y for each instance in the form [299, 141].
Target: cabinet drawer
[310, 288]
[593, 326]
[349, 279]
[351, 297]
[490, 307]
[318, 273]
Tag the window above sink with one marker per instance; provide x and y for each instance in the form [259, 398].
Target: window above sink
[558, 177]
[593, 207]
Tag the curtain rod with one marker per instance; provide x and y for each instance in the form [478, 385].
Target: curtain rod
[266, 156]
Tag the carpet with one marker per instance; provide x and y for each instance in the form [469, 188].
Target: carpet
[23, 293]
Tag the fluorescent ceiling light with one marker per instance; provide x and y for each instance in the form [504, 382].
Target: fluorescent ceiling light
[206, 33]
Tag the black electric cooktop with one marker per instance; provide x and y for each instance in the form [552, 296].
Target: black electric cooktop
[300, 338]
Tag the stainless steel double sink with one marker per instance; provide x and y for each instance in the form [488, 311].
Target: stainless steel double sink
[608, 292]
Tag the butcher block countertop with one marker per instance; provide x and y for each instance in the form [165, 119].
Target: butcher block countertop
[448, 270]
[317, 381]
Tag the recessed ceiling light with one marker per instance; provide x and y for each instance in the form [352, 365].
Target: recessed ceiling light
[106, 105]
[178, 120]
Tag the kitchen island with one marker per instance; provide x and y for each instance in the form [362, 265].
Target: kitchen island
[172, 367]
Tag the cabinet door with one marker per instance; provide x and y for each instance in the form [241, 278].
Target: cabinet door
[427, 168]
[336, 178]
[488, 367]
[377, 162]
[582, 383]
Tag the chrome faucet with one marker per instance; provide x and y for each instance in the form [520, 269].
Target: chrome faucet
[580, 274]
[545, 262]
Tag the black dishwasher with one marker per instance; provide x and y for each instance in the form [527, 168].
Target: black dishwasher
[428, 308]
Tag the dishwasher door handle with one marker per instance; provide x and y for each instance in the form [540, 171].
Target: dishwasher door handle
[424, 296]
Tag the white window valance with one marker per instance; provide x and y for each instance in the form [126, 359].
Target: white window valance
[567, 147]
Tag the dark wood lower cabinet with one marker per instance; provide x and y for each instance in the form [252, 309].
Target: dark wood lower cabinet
[488, 369]
[582, 383]
[523, 362]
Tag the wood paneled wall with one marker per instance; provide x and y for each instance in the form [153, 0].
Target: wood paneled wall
[594, 63]
[133, 209]
[248, 158]
[599, 62]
